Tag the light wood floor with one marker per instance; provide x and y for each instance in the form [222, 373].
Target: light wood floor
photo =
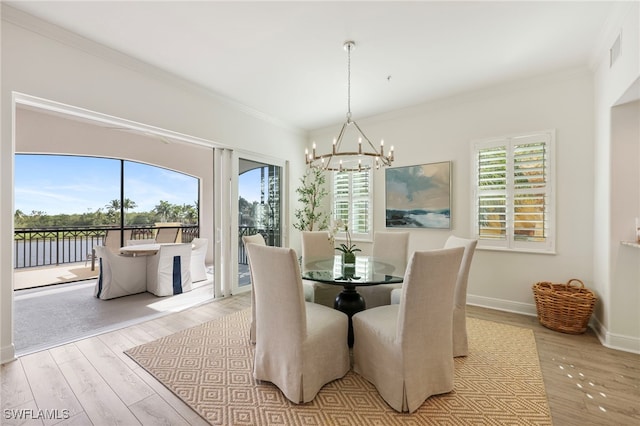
[92, 382]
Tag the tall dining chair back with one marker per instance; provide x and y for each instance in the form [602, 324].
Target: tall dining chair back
[246, 240]
[169, 270]
[391, 248]
[460, 340]
[300, 346]
[316, 245]
[405, 350]
[198, 256]
[119, 275]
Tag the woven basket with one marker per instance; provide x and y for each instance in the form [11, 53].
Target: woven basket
[564, 307]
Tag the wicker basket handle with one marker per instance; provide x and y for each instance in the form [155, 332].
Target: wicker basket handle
[572, 280]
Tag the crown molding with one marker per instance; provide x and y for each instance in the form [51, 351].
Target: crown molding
[61, 35]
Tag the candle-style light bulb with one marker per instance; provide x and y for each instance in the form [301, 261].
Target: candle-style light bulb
[382, 147]
[391, 153]
[359, 145]
[334, 146]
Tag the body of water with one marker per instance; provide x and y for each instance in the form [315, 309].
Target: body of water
[43, 252]
[419, 218]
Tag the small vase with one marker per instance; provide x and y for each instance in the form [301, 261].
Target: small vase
[348, 258]
[348, 271]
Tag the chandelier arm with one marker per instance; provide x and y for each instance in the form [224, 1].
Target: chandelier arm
[364, 136]
[349, 45]
[340, 136]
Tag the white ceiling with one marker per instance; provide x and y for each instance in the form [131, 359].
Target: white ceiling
[285, 59]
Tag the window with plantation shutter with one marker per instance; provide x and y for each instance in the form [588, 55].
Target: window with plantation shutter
[352, 202]
[513, 184]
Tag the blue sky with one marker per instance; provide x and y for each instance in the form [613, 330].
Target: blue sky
[68, 184]
[249, 185]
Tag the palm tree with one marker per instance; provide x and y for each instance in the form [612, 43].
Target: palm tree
[113, 205]
[190, 213]
[129, 205]
[18, 216]
[163, 210]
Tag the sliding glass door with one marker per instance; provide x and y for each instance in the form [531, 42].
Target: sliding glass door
[259, 209]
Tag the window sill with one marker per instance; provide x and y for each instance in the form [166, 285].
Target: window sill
[516, 250]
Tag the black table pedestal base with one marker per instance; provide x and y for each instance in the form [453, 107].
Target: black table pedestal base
[350, 302]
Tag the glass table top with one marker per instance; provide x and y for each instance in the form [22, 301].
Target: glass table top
[366, 271]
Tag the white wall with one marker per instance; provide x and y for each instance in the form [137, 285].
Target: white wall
[44, 61]
[442, 131]
[625, 207]
[617, 322]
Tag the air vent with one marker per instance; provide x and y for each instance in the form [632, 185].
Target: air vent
[614, 51]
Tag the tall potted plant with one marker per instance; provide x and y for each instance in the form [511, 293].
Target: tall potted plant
[311, 192]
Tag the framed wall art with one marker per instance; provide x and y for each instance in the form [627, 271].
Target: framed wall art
[419, 196]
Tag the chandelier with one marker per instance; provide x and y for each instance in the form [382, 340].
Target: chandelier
[344, 160]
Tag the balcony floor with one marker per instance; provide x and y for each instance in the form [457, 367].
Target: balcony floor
[55, 305]
[24, 278]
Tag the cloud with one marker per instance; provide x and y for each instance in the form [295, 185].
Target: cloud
[426, 186]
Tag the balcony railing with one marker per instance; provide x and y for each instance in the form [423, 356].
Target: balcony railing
[271, 238]
[56, 246]
[60, 245]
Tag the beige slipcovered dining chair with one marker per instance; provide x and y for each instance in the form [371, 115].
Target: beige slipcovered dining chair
[300, 346]
[460, 341]
[119, 275]
[308, 290]
[391, 248]
[246, 240]
[405, 350]
[198, 256]
[169, 270]
[316, 245]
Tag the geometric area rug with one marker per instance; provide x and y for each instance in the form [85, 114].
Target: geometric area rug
[210, 368]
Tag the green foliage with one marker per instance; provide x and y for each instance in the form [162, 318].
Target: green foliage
[163, 212]
[311, 192]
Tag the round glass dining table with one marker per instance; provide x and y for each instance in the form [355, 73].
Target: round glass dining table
[366, 271]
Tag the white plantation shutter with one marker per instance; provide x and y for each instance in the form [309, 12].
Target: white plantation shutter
[352, 201]
[513, 191]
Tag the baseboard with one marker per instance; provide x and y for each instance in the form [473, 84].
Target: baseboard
[502, 305]
[607, 339]
[7, 354]
[615, 341]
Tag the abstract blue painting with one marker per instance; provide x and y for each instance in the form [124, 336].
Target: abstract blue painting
[419, 196]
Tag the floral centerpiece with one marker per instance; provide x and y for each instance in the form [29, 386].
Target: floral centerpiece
[348, 249]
